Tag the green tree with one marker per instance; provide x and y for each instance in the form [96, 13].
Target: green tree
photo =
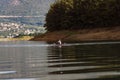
[79, 14]
[56, 18]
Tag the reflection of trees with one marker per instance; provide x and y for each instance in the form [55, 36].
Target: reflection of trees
[64, 52]
[105, 56]
[101, 50]
[84, 51]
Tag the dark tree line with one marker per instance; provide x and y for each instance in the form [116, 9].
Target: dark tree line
[79, 14]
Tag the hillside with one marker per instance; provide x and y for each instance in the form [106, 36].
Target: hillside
[24, 8]
[111, 33]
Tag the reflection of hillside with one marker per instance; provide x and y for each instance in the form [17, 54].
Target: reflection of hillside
[26, 62]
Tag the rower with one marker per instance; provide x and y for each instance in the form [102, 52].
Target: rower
[59, 42]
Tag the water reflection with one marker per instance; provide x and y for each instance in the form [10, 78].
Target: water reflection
[22, 62]
[80, 62]
[42, 61]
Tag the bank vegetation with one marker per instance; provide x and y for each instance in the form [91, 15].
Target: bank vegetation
[82, 20]
[83, 14]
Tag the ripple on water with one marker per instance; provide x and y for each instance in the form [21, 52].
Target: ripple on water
[79, 61]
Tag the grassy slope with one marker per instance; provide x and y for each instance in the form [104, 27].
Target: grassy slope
[112, 33]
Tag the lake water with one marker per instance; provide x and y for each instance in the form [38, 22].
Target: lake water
[29, 60]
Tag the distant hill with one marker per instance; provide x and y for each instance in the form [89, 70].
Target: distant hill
[24, 8]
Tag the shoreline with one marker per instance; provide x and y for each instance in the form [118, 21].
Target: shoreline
[84, 35]
[16, 39]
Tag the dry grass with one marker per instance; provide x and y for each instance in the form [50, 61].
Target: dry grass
[112, 33]
[16, 39]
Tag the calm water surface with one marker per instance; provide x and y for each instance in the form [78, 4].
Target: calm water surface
[27, 60]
